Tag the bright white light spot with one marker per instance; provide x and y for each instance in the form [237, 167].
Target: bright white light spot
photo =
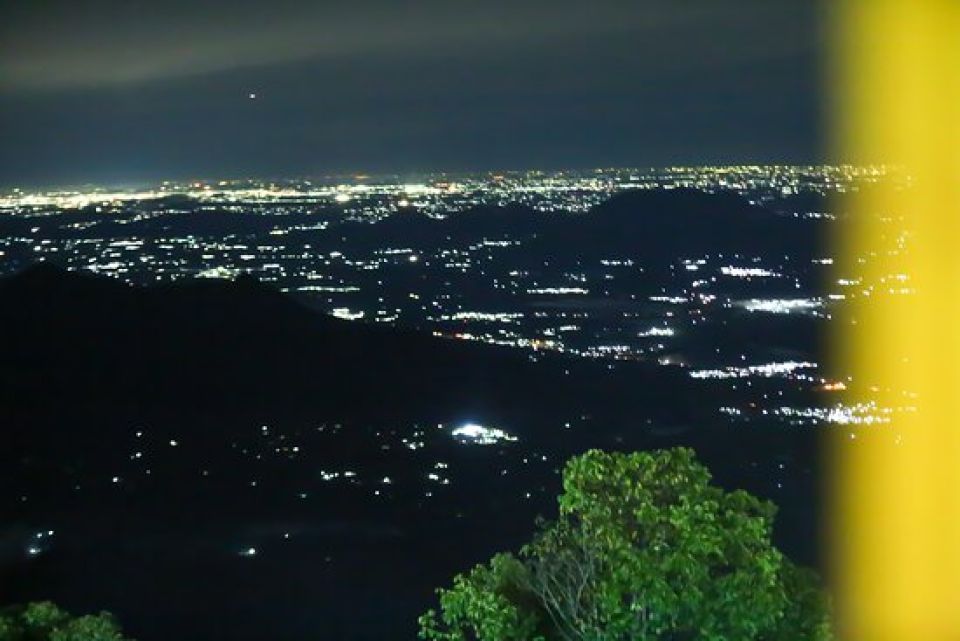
[346, 314]
[481, 435]
[782, 305]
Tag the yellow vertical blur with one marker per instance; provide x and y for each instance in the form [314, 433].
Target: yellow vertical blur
[896, 525]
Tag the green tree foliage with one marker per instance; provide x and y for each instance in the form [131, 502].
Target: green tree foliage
[644, 549]
[44, 621]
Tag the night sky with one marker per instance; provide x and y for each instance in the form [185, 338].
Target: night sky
[120, 91]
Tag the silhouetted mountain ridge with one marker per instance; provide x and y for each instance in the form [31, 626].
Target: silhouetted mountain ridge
[654, 224]
[664, 224]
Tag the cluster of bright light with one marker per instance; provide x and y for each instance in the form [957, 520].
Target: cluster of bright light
[35, 547]
[75, 200]
[559, 290]
[656, 331]
[346, 314]
[859, 414]
[782, 305]
[491, 317]
[766, 370]
[218, 272]
[481, 435]
[512, 340]
[222, 191]
[672, 300]
[833, 386]
[334, 289]
[553, 191]
[747, 272]
[607, 350]
[332, 476]
[413, 443]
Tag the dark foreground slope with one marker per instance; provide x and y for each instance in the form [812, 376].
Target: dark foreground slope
[165, 433]
[74, 339]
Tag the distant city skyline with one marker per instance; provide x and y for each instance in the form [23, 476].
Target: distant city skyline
[706, 177]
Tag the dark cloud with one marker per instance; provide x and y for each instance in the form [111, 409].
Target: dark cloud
[112, 90]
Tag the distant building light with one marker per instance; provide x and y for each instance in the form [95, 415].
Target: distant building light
[346, 314]
[220, 272]
[782, 305]
[656, 331]
[580, 291]
[747, 272]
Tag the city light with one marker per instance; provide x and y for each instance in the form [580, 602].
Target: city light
[481, 435]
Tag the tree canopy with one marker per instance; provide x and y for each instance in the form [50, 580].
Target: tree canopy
[44, 621]
[645, 548]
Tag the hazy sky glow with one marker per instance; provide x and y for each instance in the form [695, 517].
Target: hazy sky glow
[123, 90]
